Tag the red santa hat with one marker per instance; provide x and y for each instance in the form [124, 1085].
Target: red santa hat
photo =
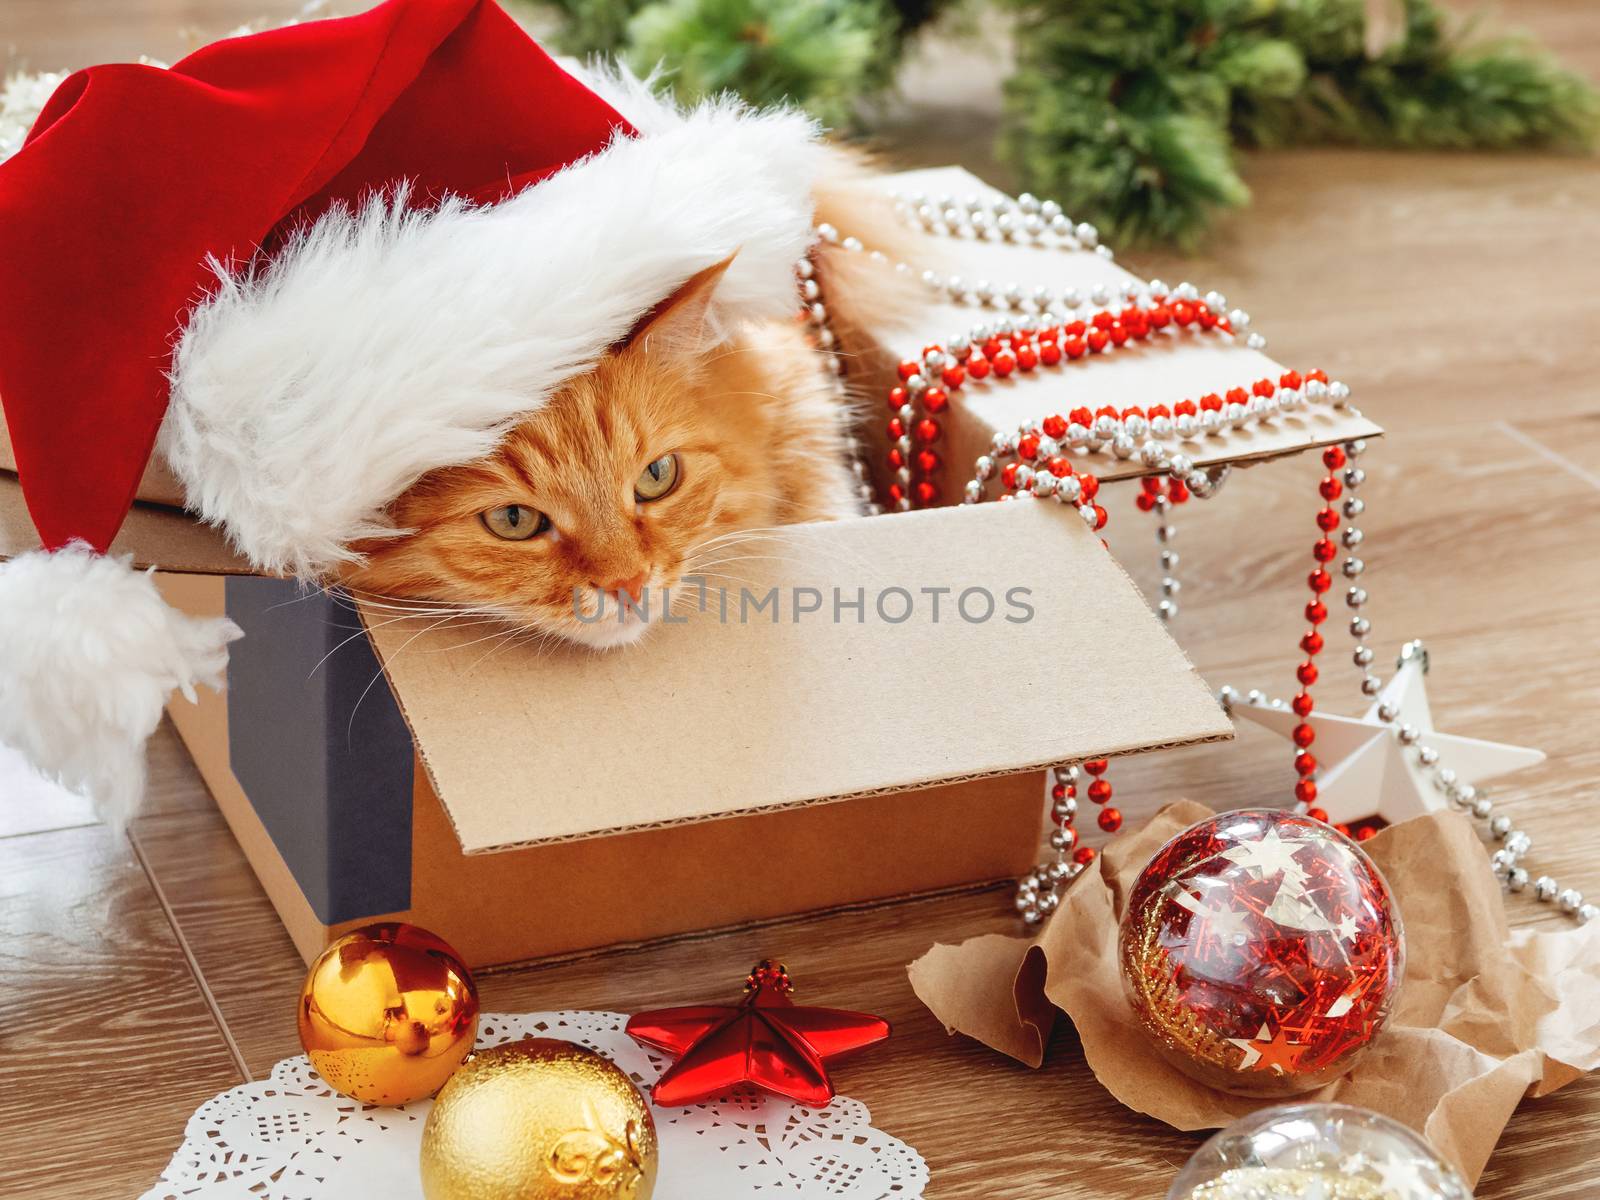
[311, 265]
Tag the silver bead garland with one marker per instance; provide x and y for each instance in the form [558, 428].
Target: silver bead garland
[1039, 891]
[827, 344]
[1027, 220]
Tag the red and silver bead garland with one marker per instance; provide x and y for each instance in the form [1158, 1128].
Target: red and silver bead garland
[1035, 461]
[1341, 480]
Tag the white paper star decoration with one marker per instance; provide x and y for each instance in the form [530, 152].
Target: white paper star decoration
[1393, 768]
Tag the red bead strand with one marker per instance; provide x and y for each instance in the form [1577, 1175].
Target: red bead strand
[1323, 550]
[1019, 351]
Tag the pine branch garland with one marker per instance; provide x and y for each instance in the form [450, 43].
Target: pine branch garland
[824, 55]
[818, 53]
[1128, 113]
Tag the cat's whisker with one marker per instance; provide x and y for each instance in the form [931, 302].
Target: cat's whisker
[307, 591]
[701, 566]
[729, 353]
[362, 632]
[780, 558]
[757, 395]
[446, 649]
[735, 536]
[540, 640]
[421, 607]
[498, 636]
[816, 552]
[749, 531]
[732, 547]
[349, 730]
[776, 532]
[376, 600]
[491, 652]
[751, 544]
[742, 582]
[504, 629]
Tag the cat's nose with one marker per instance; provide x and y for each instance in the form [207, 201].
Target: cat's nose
[633, 587]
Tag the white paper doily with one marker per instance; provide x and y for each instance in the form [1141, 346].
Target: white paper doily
[291, 1137]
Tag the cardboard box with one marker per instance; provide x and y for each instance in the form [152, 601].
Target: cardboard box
[1162, 371]
[534, 802]
[527, 802]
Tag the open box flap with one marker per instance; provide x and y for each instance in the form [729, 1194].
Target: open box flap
[529, 744]
[1164, 370]
[154, 535]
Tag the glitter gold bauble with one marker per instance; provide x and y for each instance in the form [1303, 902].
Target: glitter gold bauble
[539, 1119]
[1317, 1152]
[387, 1013]
[1261, 952]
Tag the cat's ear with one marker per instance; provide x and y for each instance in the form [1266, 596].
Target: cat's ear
[680, 324]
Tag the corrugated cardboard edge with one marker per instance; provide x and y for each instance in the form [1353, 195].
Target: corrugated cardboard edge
[158, 485]
[167, 539]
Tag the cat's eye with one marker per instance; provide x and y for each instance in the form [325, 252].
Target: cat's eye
[659, 478]
[515, 522]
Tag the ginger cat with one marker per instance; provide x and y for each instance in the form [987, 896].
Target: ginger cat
[628, 477]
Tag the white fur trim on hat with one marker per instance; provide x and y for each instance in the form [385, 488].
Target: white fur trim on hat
[90, 653]
[386, 343]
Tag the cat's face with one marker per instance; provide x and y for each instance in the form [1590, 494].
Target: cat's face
[617, 484]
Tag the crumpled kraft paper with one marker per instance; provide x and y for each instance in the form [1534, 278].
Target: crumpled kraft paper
[1485, 1014]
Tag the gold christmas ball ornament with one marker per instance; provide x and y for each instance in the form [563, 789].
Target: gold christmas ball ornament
[387, 1013]
[539, 1119]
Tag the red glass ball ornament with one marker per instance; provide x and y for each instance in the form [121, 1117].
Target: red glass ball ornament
[1261, 952]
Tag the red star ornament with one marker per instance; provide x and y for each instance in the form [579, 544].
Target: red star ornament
[765, 1039]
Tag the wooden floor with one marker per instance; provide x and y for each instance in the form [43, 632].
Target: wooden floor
[1456, 295]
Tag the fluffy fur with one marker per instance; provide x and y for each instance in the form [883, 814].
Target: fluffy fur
[352, 405]
[755, 421]
[759, 439]
[380, 344]
[91, 652]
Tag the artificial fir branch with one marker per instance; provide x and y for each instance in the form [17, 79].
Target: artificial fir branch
[1128, 112]
[818, 53]
[824, 55]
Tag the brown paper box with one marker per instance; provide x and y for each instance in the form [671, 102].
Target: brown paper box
[574, 895]
[554, 801]
[1162, 371]
[730, 773]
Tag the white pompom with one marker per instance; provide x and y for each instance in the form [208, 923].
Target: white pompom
[89, 653]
